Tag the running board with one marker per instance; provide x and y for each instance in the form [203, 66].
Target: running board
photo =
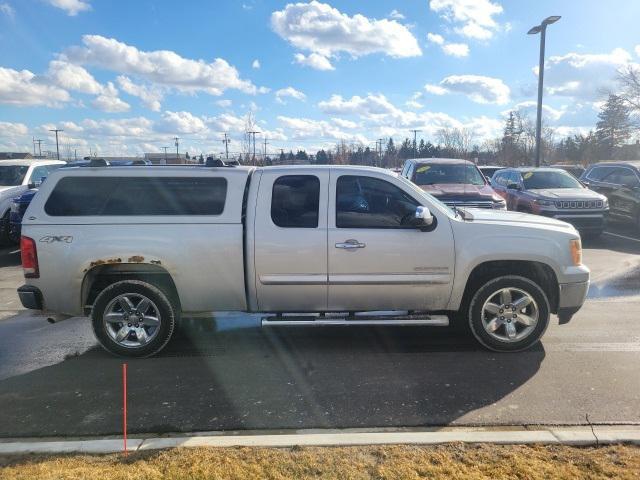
[382, 320]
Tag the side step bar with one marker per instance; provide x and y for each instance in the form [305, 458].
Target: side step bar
[358, 320]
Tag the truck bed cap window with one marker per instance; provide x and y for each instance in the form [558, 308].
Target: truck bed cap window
[129, 196]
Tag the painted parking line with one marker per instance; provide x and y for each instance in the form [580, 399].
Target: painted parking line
[593, 347]
[622, 236]
[15, 251]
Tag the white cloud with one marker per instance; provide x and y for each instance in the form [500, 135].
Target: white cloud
[108, 100]
[372, 104]
[314, 60]
[291, 93]
[8, 10]
[529, 108]
[584, 76]
[474, 18]
[396, 15]
[414, 104]
[151, 96]
[226, 122]
[10, 129]
[306, 128]
[255, 64]
[181, 123]
[637, 49]
[456, 49]
[478, 88]
[163, 67]
[72, 7]
[322, 29]
[435, 38]
[342, 123]
[73, 77]
[226, 103]
[452, 49]
[24, 88]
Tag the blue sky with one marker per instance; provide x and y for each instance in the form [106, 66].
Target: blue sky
[124, 77]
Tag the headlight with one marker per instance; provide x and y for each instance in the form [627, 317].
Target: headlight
[575, 246]
[15, 207]
[605, 203]
[544, 203]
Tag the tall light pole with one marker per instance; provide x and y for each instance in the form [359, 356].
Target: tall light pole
[542, 30]
[415, 144]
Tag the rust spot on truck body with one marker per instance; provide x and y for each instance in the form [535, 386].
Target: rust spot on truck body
[108, 261]
[136, 259]
[156, 262]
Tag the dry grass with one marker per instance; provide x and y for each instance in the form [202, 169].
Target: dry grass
[393, 462]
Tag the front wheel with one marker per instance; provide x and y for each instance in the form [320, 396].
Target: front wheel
[509, 314]
[133, 319]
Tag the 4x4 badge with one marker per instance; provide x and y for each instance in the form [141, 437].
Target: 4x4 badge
[57, 238]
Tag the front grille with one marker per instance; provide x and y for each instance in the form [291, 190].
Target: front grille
[587, 204]
[469, 204]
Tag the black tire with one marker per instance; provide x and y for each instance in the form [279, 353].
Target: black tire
[485, 291]
[4, 230]
[167, 314]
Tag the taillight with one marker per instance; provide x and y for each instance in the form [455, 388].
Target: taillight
[29, 255]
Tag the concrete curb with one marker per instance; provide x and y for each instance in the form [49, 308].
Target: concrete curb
[576, 436]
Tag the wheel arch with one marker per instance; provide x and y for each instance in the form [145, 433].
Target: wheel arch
[99, 277]
[540, 273]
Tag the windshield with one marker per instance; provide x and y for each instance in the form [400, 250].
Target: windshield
[459, 173]
[548, 179]
[12, 175]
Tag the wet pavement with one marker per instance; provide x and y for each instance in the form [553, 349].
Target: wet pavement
[228, 373]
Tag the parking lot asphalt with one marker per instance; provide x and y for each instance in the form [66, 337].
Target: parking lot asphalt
[227, 373]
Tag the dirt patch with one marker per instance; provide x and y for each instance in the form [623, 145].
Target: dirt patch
[393, 462]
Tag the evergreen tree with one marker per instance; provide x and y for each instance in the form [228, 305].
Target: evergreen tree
[614, 127]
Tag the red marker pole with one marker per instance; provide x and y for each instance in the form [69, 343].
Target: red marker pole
[124, 405]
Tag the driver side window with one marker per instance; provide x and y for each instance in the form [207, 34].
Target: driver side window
[367, 202]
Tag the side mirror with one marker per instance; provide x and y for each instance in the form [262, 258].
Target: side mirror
[423, 217]
[513, 186]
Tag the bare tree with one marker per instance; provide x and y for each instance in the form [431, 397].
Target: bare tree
[629, 79]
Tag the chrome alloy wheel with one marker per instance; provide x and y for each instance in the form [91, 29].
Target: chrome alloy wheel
[510, 315]
[132, 320]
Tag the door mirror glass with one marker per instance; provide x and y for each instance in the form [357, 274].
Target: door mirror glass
[423, 217]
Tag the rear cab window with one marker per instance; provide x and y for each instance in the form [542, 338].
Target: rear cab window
[295, 201]
[137, 196]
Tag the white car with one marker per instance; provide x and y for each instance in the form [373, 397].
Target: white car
[138, 247]
[15, 177]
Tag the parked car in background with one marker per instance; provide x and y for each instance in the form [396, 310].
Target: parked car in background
[552, 192]
[620, 183]
[489, 170]
[456, 183]
[575, 170]
[16, 177]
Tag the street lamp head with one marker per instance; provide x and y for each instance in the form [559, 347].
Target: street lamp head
[535, 30]
[551, 19]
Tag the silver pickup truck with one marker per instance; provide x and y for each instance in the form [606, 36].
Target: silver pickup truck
[136, 248]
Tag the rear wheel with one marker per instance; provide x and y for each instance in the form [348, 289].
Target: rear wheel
[132, 318]
[509, 313]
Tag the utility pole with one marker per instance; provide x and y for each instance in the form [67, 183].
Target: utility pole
[56, 130]
[165, 154]
[254, 146]
[226, 142]
[34, 145]
[177, 140]
[415, 144]
[264, 153]
[39, 142]
[380, 140]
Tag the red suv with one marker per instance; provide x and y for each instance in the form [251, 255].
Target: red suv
[552, 192]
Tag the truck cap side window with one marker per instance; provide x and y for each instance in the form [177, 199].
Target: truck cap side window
[367, 202]
[295, 201]
[128, 196]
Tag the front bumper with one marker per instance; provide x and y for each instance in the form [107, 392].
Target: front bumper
[571, 299]
[593, 221]
[30, 297]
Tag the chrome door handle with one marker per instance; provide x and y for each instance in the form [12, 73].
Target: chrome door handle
[350, 244]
